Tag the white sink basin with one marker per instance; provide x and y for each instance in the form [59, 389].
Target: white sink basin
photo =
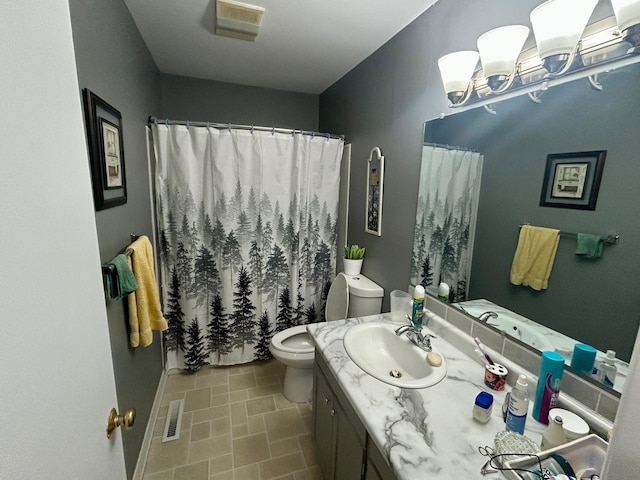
[377, 350]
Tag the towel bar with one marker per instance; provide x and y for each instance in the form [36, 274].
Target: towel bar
[613, 239]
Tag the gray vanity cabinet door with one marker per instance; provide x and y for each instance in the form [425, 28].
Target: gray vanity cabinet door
[349, 448]
[372, 473]
[377, 466]
[339, 436]
[323, 413]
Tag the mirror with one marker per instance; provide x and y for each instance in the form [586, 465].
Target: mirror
[375, 178]
[592, 301]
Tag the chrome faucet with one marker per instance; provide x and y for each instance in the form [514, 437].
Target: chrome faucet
[415, 335]
[487, 315]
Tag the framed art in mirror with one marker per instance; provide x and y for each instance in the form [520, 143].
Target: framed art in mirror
[375, 180]
[106, 152]
[572, 180]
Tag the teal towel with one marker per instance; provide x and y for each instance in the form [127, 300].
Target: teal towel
[107, 280]
[589, 246]
[125, 278]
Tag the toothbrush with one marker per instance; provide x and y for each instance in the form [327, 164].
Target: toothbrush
[483, 350]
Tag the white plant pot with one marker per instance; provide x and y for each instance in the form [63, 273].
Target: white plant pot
[352, 267]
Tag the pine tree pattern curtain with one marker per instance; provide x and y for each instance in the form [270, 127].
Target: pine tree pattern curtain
[446, 218]
[247, 237]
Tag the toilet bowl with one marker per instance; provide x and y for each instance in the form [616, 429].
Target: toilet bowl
[349, 296]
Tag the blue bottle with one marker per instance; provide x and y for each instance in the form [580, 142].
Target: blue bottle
[548, 387]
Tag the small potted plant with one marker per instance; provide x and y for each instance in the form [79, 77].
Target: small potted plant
[353, 259]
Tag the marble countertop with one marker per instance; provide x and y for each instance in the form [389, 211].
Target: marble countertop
[425, 433]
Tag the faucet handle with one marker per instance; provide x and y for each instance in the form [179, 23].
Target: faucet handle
[426, 340]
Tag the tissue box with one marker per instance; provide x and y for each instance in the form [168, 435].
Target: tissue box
[585, 455]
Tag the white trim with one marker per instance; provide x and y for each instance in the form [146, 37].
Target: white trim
[148, 433]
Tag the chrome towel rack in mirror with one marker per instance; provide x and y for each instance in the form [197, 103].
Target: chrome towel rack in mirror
[613, 239]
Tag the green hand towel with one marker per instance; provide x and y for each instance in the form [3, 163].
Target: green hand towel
[125, 278]
[107, 282]
[590, 246]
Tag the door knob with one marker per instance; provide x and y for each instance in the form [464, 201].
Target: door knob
[114, 420]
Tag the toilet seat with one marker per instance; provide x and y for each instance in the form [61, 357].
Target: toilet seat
[299, 345]
[337, 304]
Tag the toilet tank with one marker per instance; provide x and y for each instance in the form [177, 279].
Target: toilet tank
[365, 296]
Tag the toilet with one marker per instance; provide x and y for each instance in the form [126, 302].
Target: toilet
[349, 296]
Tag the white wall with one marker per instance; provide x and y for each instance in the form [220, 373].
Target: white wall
[56, 386]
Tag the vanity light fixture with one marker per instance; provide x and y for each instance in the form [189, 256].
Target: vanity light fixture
[566, 46]
[627, 14]
[456, 70]
[499, 50]
[557, 27]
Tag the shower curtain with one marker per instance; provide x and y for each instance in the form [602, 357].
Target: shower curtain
[247, 237]
[446, 219]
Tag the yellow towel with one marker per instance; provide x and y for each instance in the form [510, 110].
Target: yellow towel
[145, 313]
[534, 256]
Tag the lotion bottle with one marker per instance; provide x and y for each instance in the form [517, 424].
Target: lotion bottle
[418, 306]
[518, 406]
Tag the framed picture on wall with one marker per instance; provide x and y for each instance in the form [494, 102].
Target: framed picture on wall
[106, 152]
[572, 180]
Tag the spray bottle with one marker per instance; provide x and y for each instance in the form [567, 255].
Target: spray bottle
[418, 306]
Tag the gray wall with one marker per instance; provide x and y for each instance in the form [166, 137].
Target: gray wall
[594, 301]
[114, 63]
[384, 102]
[195, 99]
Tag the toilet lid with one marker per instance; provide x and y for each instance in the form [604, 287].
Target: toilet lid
[338, 299]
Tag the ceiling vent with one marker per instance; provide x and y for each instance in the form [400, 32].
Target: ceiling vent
[238, 20]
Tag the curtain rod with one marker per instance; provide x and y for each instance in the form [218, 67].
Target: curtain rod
[229, 126]
[450, 147]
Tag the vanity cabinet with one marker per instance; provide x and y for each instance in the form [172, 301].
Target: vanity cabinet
[339, 436]
[377, 466]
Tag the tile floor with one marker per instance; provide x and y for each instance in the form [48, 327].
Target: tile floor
[236, 426]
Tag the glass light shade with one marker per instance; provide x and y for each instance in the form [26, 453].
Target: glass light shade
[627, 13]
[456, 70]
[500, 48]
[558, 25]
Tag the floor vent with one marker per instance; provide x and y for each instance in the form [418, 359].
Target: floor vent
[174, 421]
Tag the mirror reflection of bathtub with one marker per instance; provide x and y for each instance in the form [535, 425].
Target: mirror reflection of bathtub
[533, 334]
